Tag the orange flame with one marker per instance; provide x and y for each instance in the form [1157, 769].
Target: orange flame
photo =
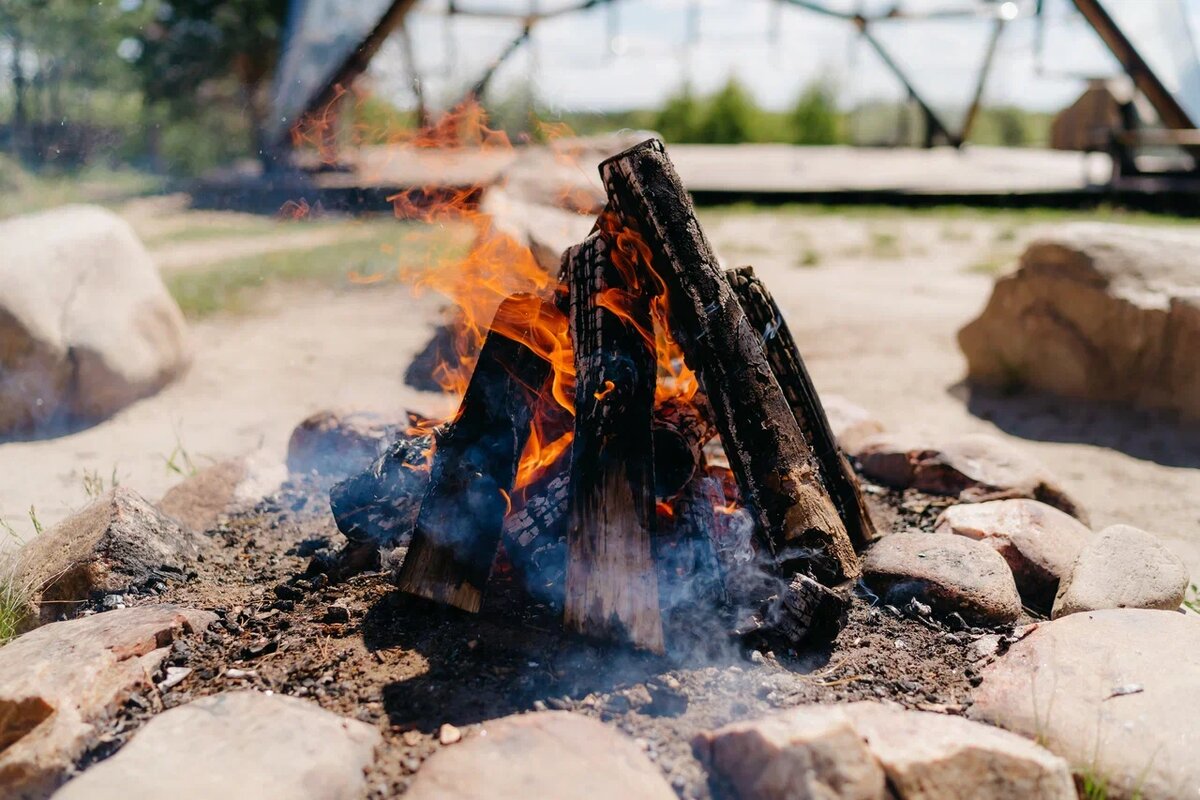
[498, 267]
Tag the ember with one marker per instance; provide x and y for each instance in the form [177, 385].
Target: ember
[584, 450]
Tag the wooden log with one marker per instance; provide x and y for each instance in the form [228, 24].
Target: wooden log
[690, 574]
[474, 463]
[792, 375]
[777, 472]
[681, 429]
[612, 590]
[535, 533]
[378, 507]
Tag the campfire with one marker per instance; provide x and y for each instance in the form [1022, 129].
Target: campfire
[641, 442]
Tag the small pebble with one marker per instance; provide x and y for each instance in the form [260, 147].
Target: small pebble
[448, 734]
[175, 676]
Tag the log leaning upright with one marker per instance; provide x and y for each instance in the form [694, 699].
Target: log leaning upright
[777, 472]
[474, 464]
[612, 588]
[788, 366]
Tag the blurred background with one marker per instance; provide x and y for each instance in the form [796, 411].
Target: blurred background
[258, 171]
[157, 88]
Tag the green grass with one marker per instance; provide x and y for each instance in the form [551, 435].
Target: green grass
[884, 244]
[231, 286]
[228, 229]
[23, 192]
[950, 212]
[992, 264]
[1192, 601]
[16, 589]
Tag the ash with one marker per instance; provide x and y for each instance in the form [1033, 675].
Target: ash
[363, 649]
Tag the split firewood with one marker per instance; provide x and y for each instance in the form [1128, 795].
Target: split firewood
[777, 472]
[612, 590]
[690, 574]
[474, 464]
[681, 430]
[535, 532]
[792, 375]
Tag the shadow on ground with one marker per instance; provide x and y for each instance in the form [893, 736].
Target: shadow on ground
[1157, 437]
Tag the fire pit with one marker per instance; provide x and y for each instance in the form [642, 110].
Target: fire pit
[643, 444]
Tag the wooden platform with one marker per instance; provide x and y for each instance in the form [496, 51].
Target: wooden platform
[719, 174]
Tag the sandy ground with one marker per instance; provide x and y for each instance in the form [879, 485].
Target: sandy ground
[874, 302]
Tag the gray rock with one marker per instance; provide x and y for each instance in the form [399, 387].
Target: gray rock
[59, 684]
[974, 468]
[551, 754]
[236, 745]
[931, 756]
[339, 443]
[807, 752]
[1067, 683]
[873, 751]
[201, 500]
[1101, 312]
[86, 325]
[1123, 567]
[949, 573]
[119, 542]
[1039, 542]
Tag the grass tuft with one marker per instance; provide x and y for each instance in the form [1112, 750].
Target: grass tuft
[16, 586]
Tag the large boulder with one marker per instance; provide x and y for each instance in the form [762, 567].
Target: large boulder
[552, 754]
[951, 574]
[1113, 692]
[118, 543]
[86, 325]
[239, 744]
[1099, 312]
[1039, 542]
[872, 751]
[59, 684]
[1123, 567]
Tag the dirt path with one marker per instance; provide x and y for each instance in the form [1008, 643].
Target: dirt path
[874, 303]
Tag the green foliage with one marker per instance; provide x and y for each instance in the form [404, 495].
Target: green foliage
[16, 588]
[731, 117]
[679, 117]
[815, 118]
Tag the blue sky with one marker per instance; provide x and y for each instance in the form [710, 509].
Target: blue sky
[639, 53]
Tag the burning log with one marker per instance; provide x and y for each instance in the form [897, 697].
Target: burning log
[681, 429]
[777, 472]
[788, 367]
[475, 462]
[535, 532]
[612, 589]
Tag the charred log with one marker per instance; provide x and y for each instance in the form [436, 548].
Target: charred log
[681, 430]
[776, 470]
[378, 507]
[474, 464]
[611, 587]
[791, 373]
[535, 533]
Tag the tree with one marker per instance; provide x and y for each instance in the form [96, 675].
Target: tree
[61, 54]
[815, 119]
[730, 117]
[201, 53]
[679, 117]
